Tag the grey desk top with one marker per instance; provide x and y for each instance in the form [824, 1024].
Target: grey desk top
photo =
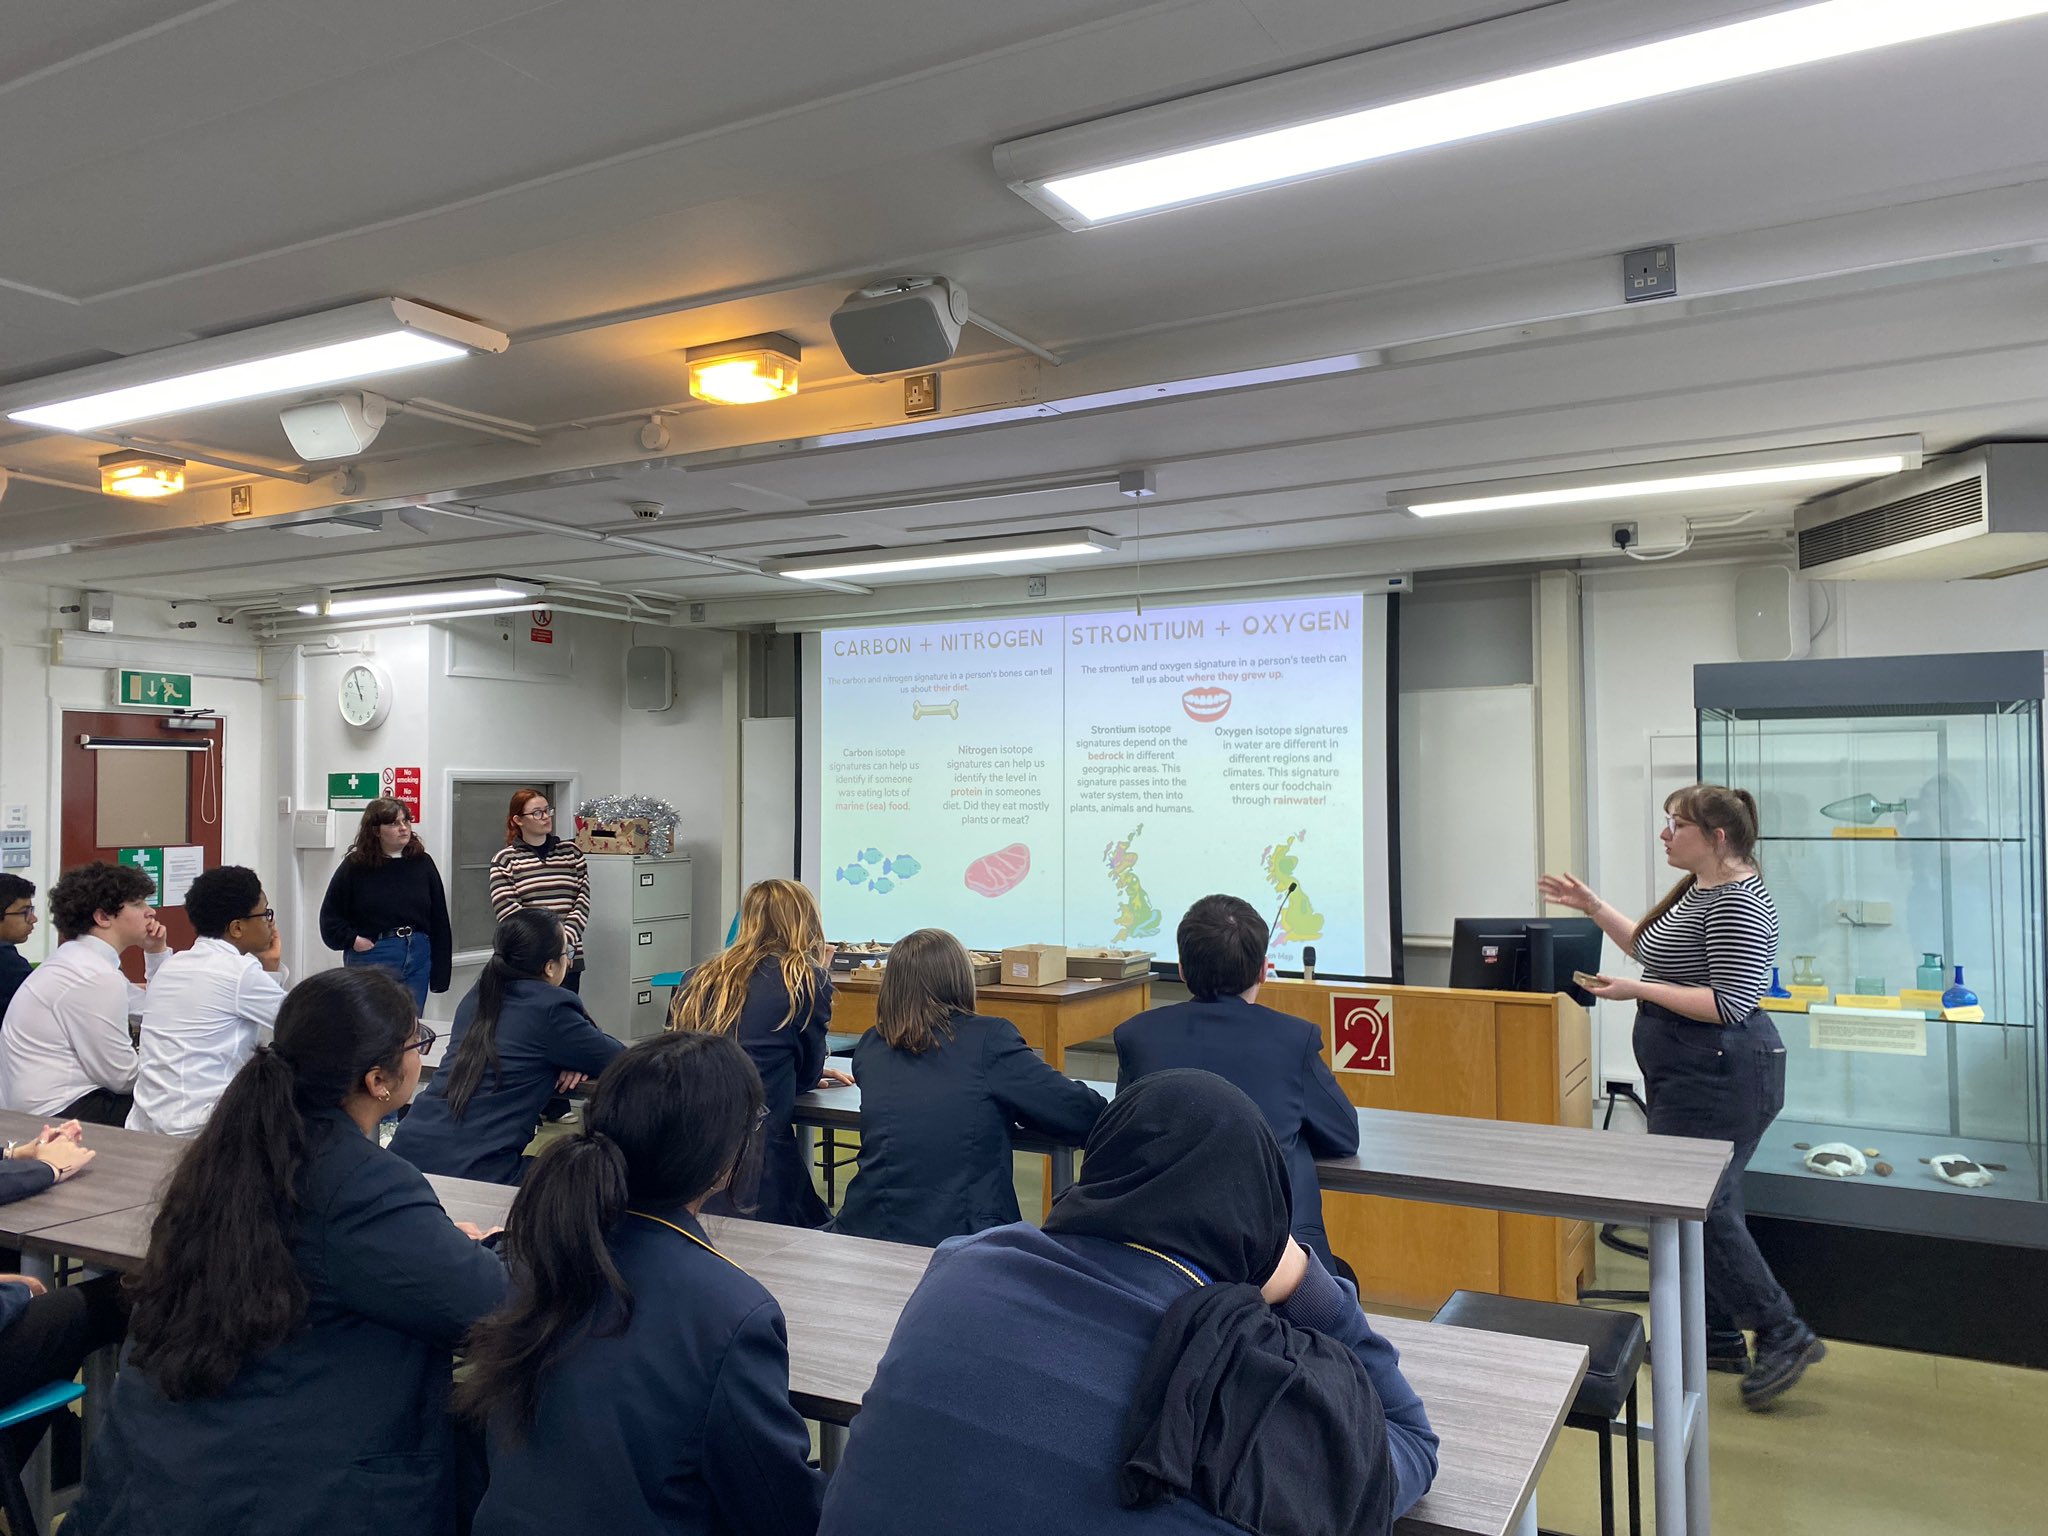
[126, 1171]
[1497, 1402]
[1501, 1165]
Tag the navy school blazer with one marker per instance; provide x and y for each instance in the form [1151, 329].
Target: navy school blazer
[347, 1420]
[789, 1060]
[679, 1425]
[935, 1130]
[1276, 1059]
[543, 1031]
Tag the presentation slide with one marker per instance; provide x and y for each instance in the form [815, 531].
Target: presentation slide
[1081, 778]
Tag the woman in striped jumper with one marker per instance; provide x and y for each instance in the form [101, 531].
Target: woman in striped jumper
[1713, 1064]
[535, 868]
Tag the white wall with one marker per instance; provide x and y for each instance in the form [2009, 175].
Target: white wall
[33, 693]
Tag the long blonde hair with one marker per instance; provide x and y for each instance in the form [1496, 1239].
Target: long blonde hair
[1712, 808]
[779, 921]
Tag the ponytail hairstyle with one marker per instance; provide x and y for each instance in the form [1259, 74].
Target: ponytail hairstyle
[526, 943]
[1712, 808]
[779, 921]
[219, 1286]
[673, 1120]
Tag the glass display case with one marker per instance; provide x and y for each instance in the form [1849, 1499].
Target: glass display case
[1900, 805]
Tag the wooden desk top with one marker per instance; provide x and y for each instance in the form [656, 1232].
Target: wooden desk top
[1051, 992]
[127, 1169]
[1537, 1170]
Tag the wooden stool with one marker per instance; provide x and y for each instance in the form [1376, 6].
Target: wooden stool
[1614, 1344]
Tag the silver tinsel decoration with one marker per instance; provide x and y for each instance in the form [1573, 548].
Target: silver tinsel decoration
[659, 815]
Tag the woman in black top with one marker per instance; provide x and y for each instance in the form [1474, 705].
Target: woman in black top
[386, 906]
[1712, 1062]
[940, 1087]
[771, 991]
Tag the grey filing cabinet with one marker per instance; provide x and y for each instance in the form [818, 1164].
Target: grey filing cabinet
[639, 928]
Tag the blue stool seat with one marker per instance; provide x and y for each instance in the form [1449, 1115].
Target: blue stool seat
[57, 1394]
[667, 979]
[13, 1498]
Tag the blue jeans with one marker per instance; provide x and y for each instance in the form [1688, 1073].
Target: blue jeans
[410, 959]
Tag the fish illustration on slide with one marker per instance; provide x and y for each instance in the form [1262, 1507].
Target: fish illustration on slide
[868, 869]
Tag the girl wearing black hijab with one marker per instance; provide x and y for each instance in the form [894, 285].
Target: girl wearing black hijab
[1162, 1352]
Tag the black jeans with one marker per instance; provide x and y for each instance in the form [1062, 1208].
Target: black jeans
[100, 1107]
[1726, 1083]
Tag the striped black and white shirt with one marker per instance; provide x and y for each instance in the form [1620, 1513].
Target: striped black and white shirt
[552, 877]
[1725, 938]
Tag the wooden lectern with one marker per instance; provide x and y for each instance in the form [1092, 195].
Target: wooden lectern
[1489, 1055]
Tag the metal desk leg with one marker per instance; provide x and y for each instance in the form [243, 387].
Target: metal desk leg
[1527, 1526]
[35, 1477]
[1667, 1376]
[1061, 1160]
[1693, 1290]
[831, 1446]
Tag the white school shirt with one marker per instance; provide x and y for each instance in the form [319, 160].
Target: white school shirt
[66, 1032]
[207, 1011]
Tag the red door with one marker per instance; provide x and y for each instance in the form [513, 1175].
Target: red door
[96, 737]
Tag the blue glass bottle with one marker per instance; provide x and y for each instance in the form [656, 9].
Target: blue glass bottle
[1959, 996]
[1776, 988]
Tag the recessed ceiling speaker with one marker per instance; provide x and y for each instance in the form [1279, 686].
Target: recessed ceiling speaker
[902, 325]
[1771, 614]
[335, 428]
[650, 677]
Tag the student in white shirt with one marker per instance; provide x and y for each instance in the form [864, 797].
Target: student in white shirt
[65, 1049]
[210, 1006]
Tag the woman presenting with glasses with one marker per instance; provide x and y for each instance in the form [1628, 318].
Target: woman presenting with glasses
[535, 868]
[1713, 1065]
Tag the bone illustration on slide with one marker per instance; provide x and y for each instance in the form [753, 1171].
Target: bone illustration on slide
[919, 710]
[1205, 706]
[995, 874]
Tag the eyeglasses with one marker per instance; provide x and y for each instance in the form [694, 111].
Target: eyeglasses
[26, 909]
[1673, 823]
[268, 914]
[424, 1043]
[542, 815]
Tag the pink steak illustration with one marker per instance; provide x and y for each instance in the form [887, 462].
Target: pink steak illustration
[995, 873]
[1205, 706]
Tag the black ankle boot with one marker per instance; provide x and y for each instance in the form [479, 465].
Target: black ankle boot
[1728, 1351]
[1781, 1359]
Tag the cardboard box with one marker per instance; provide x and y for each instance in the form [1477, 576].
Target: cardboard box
[1108, 964]
[631, 835]
[1034, 965]
[986, 972]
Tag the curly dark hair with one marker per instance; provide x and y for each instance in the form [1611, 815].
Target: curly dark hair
[220, 896]
[83, 893]
[381, 812]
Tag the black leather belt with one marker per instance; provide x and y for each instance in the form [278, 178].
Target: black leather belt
[396, 933]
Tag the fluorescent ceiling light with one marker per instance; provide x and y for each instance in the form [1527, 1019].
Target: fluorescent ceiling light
[1823, 462]
[1059, 544]
[746, 371]
[495, 590]
[379, 336]
[144, 476]
[1076, 175]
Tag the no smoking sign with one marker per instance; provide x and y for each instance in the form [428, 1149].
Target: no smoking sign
[1362, 1033]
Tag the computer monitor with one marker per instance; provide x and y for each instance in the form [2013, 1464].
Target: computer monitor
[1525, 954]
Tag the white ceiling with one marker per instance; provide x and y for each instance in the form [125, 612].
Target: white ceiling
[1863, 251]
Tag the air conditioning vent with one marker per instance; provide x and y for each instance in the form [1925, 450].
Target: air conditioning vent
[1911, 517]
[1973, 515]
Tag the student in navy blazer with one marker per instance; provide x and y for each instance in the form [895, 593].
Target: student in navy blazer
[771, 990]
[1274, 1057]
[520, 1037]
[637, 1380]
[940, 1087]
[296, 1318]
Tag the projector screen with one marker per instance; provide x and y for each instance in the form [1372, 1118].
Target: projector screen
[1081, 778]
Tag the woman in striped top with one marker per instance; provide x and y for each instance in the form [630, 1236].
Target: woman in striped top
[1713, 1064]
[535, 868]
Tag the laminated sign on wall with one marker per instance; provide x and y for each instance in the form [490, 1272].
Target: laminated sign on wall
[403, 785]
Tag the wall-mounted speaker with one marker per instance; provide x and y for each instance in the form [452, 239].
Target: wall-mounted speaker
[650, 677]
[1771, 614]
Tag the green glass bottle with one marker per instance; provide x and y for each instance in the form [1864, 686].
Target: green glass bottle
[1932, 976]
[1861, 810]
